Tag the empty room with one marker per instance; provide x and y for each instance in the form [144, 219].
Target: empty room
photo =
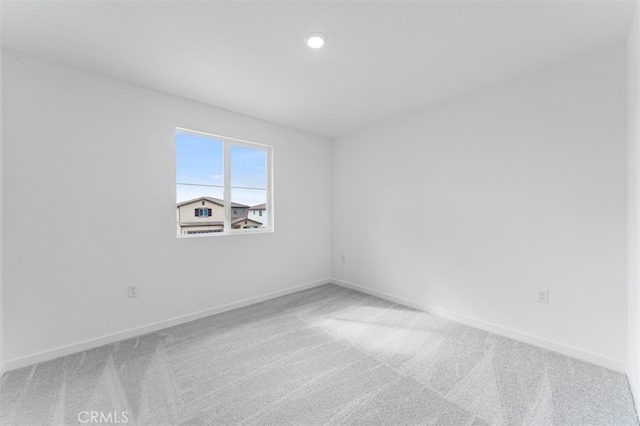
[320, 212]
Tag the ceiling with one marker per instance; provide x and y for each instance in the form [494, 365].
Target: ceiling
[382, 59]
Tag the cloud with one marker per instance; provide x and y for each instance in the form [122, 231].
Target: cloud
[216, 176]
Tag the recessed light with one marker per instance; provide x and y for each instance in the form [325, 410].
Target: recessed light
[315, 40]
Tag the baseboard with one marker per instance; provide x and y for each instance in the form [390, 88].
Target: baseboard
[494, 328]
[138, 331]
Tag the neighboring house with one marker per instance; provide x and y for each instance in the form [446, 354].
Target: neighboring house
[205, 215]
[259, 214]
[244, 223]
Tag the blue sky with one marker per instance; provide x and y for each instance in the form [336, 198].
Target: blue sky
[199, 160]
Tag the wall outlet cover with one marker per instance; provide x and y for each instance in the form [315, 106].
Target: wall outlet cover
[132, 291]
[543, 296]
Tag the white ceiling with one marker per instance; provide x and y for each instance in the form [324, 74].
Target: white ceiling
[382, 59]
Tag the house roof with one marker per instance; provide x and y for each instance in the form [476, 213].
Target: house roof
[212, 200]
[259, 207]
[240, 219]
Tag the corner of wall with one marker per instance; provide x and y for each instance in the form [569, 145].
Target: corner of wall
[633, 207]
[1, 204]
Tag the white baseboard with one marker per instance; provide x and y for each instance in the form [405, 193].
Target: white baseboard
[138, 331]
[494, 328]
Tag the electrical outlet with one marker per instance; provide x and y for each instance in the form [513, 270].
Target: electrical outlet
[543, 296]
[132, 291]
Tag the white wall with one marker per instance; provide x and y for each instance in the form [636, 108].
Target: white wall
[75, 138]
[468, 208]
[1, 239]
[633, 199]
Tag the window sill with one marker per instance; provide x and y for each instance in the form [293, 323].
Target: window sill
[220, 234]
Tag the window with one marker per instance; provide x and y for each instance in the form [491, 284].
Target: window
[203, 212]
[229, 176]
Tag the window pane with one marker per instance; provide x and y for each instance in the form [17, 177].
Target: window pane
[248, 167]
[199, 160]
[199, 184]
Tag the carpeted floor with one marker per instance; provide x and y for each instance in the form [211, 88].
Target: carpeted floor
[322, 356]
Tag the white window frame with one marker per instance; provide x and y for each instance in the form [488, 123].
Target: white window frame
[227, 143]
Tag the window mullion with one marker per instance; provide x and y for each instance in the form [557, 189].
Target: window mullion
[269, 182]
[227, 186]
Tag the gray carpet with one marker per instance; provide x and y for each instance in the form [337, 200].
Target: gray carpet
[322, 356]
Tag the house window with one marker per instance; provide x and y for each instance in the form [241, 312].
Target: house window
[203, 212]
[229, 174]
